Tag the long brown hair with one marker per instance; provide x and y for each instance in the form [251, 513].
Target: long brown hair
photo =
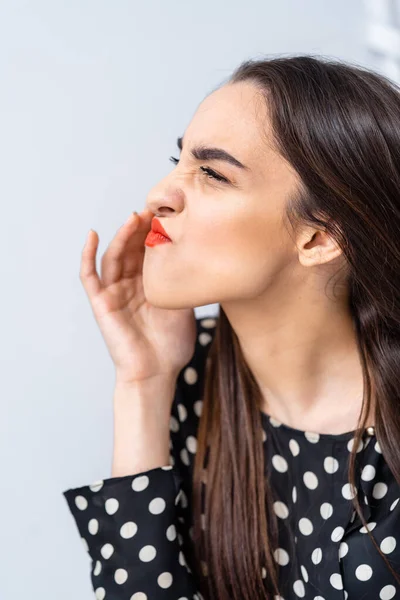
[338, 125]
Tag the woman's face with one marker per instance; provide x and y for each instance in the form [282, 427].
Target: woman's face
[228, 239]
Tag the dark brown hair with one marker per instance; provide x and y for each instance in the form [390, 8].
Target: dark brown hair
[338, 126]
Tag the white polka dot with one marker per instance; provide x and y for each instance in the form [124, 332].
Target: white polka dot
[263, 572]
[128, 530]
[294, 447]
[318, 598]
[93, 526]
[204, 338]
[166, 468]
[208, 323]
[275, 422]
[294, 494]
[387, 593]
[107, 550]
[310, 480]
[393, 506]
[111, 506]
[349, 491]
[337, 534]
[181, 558]
[379, 490]
[191, 443]
[316, 556]
[343, 549]
[96, 485]
[198, 408]
[190, 375]
[346, 595]
[100, 593]
[147, 553]
[298, 588]
[157, 506]
[281, 556]
[171, 533]
[371, 526]
[81, 502]
[173, 423]
[388, 545]
[164, 580]
[326, 510]
[184, 500]
[350, 445]
[182, 412]
[281, 510]
[184, 457]
[364, 572]
[331, 464]
[305, 526]
[378, 449]
[279, 463]
[368, 473]
[120, 576]
[304, 573]
[97, 568]
[336, 581]
[85, 544]
[140, 483]
[311, 436]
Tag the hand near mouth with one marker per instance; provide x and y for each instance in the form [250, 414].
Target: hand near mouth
[144, 341]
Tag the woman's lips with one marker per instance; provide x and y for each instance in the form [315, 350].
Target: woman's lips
[157, 235]
[154, 238]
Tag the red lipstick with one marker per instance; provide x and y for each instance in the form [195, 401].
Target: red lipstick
[157, 235]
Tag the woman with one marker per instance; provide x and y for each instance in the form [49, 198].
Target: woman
[284, 208]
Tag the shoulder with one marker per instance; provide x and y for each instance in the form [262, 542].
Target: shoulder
[188, 400]
[191, 378]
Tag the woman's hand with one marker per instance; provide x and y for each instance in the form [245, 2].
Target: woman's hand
[144, 341]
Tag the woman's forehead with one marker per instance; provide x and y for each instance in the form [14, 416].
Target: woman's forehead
[234, 117]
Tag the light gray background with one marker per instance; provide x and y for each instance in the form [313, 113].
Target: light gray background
[93, 96]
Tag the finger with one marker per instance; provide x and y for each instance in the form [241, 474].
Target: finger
[88, 273]
[111, 262]
[133, 257]
[147, 214]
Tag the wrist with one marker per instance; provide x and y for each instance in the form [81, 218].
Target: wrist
[156, 393]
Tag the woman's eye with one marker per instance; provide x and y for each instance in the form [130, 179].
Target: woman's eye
[206, 170]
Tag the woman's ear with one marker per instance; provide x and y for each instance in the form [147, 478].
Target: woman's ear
[316, 247]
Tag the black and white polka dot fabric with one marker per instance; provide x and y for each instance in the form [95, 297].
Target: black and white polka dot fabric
[138, 529]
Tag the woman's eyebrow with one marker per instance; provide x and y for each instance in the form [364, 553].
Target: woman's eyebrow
[209, 153]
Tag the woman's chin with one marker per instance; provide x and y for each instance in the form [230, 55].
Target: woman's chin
[160, 294]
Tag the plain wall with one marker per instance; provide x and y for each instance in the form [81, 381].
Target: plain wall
[93, 97]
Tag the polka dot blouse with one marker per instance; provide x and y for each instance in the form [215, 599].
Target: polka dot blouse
[137, 529]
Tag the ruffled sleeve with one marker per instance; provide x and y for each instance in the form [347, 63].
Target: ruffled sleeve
[128, 526]
[137, 528]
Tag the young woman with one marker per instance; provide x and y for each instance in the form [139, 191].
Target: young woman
[282, 413]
